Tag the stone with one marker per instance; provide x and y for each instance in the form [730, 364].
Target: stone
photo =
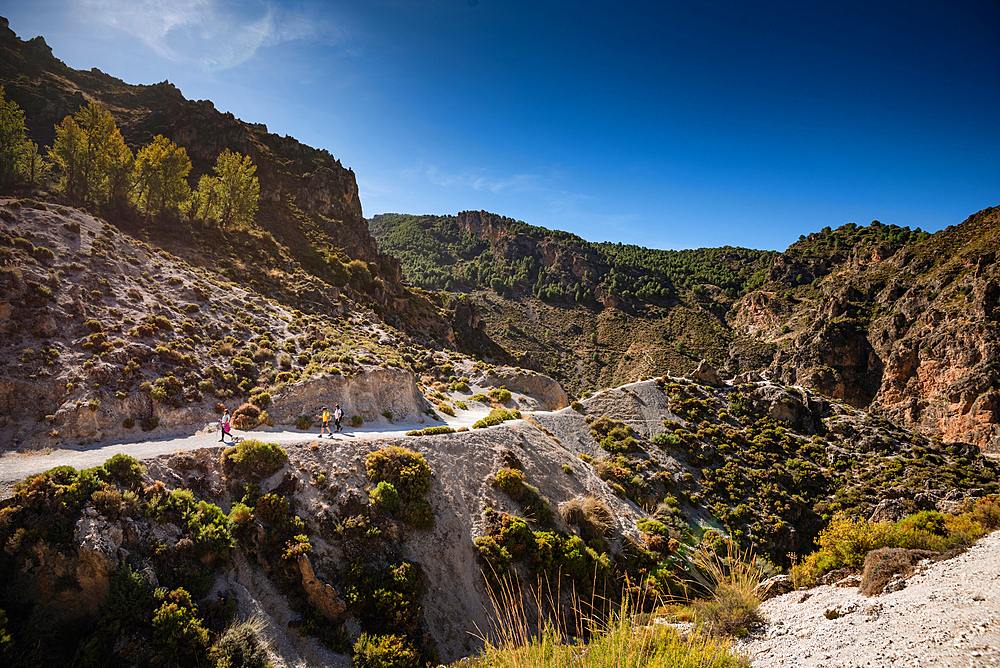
[775, 586]
[849, 581]
[705, 374]
[898, 583]
[888, 510]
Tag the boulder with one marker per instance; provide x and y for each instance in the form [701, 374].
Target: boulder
[705, 374]
[776, 586]
[888, 510]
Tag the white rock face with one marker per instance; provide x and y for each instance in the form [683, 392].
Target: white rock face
[97, 541]
[370, 395]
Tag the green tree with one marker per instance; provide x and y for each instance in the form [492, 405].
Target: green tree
[12, 138]
[160, 172]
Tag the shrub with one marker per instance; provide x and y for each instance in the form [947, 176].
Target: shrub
[177, 631]
[652, 527]
[129, 597]
[240, 516]
[209, 528]
[406, 470]
[497, 416]
[500, 395]
[392, 651]
[262, 399]
[536, 506]
[173, 505]
[150, 423]
[246, 417]
[430, 431]
[590, 514]
[241, 645]
[271, 508]
[384, 496]
[577, 406]
[357, 421]
[417, 513]
[296, 546]
[666, 440]
[255, 458]
[123, 469]
[446, 409]
[128, 423]
[734, 580]
[303, 422]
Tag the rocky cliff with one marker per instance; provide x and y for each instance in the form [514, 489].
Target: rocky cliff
[907, 329]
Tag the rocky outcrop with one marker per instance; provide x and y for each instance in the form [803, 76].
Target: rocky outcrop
[705, 374]
[548, 395]
[319, 594]
[97, 543]
[376, 395]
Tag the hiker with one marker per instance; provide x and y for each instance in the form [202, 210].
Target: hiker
[325, 416]
[224, 424]
[337, 415]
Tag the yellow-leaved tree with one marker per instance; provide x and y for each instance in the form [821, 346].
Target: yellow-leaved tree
[229, 198]
[95, 162]
[161, 170]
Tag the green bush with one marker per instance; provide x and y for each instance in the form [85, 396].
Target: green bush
[129, 597]
[177, 630]
[417, 513]
[406, 470]
[392, 651]
[256, 458]
[497, 416]
[128, 423]
[295, 546]
[430, 431]
[535, 506]
[123, 469]
[653, 527]
[357, 421]
[666, 440]
[171, 506]
[240, 516]
[500, 395]
[384, 496]
[263, 399]
[209, 528]
[150, 423]
[271, 508]
[303, 422]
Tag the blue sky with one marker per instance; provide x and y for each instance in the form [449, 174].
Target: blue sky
[669, 124]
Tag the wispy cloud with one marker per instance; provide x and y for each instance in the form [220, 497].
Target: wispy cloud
[213, 35]
[477, 179]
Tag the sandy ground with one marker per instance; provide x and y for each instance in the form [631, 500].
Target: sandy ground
[948, 615]
[16, 466]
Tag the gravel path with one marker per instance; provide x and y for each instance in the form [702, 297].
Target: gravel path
[16, 466]
[948, 615]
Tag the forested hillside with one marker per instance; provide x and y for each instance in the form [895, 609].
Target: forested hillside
[440, 253]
